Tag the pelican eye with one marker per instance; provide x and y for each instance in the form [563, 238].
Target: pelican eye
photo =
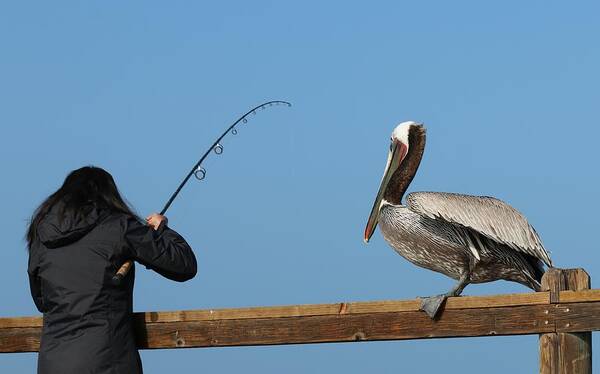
[391, 144]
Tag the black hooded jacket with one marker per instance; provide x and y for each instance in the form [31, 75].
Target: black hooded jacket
[87, 319]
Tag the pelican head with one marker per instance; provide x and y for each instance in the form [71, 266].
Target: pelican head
[406, 149]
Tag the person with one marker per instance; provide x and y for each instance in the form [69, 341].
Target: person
[77, 240]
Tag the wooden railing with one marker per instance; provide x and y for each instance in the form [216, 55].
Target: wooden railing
[564, 316]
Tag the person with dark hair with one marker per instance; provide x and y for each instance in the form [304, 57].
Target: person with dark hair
[77, 240]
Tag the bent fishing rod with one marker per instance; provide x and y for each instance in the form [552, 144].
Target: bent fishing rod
[199, 172]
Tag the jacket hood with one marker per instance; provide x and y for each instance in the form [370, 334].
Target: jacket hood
[54, 232]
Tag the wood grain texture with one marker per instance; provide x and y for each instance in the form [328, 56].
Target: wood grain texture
[549, 353]
[318, 329]
[346, 327]
[25, 339]
[19, 322]
[528, 313]
[464, 302]
[569, 349]
[577, 317]
[579, 296]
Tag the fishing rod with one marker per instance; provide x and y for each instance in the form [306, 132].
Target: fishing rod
[199, 172]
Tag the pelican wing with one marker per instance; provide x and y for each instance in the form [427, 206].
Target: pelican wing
[489, 216]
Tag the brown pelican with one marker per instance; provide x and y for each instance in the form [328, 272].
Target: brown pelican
[472, 239]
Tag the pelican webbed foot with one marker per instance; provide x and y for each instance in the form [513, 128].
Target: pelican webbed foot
[431, 305]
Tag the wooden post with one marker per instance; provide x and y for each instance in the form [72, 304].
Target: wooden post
[565, 353]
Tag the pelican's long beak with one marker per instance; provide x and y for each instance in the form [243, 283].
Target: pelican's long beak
[395, 157]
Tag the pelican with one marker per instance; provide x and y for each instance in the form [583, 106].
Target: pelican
[472, 239]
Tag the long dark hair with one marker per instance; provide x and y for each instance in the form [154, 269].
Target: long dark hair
[82, 188]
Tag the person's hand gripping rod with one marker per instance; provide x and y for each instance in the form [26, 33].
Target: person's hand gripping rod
[154, 220]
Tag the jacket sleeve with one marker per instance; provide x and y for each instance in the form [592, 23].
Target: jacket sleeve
[162, 250]
[34, 280]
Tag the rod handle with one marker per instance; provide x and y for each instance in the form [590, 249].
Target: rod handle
[122, 272]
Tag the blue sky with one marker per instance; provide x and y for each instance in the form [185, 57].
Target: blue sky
[508, 91]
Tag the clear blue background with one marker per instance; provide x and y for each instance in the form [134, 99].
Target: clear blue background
[509, 93]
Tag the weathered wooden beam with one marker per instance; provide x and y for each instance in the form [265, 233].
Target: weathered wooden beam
[516, 314]
[569, 349]
[360, 307]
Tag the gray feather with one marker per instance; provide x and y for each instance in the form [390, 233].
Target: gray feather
[488, 216]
